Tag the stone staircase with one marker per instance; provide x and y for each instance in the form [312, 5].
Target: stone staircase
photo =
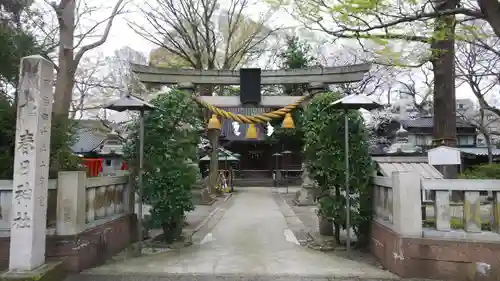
[251, 182]
[264, 178]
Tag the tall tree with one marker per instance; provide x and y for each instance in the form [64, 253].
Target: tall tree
[477, 68]
[298, 54]
[100, 78]
[432, 24]
[16, 41]
[203, 35]
[375, 15]
[68, 14]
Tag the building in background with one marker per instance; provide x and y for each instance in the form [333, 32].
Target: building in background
[469, 111]
[100, 147]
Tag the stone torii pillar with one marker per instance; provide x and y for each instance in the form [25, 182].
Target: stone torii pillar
[31, 165]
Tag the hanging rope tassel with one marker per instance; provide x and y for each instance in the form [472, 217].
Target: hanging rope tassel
[256, 119]
[288, 122]
[214, 122]
[263, 118]
[251, 132]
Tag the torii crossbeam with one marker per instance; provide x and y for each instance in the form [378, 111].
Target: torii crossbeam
[187, 79]
[327, 75]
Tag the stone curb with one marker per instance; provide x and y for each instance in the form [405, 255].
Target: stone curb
[312, 237]
[301, 232]
[210, 215]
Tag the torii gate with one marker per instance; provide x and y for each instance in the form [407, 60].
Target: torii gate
[187, 79]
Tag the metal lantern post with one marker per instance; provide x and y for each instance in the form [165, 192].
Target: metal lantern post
[286, 171]
[133, 103]
[277, 155]
[351, 102]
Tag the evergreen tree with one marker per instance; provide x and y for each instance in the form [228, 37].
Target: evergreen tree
[297, 55]
[17, 41]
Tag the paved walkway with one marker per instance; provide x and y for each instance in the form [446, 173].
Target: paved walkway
[251, 238]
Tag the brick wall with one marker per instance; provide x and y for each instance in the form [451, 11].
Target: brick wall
[87, 249]
[433, 258]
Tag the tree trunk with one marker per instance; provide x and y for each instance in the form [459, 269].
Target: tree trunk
[487, 139]
[443, 61]
[65, 75]
[491, 11]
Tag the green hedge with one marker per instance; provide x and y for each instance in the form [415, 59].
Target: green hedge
[487, 171]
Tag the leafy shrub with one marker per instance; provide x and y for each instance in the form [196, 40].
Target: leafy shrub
[171, 136]
[61, 156]
[61, 139]
[325, 159]
[487, 171]
[7, 137]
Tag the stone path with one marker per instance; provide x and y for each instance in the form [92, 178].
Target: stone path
[250, 238]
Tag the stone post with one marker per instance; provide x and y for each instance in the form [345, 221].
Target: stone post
[129, 196]
[71, 201]
[214, 161]
[407, 214]
[316, 87]
[31, 164]
[305, 196]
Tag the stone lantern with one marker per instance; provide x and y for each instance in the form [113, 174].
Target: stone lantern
[402, 146]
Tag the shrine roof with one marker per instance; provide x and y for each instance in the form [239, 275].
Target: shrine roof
[89, 134]
[428, 122]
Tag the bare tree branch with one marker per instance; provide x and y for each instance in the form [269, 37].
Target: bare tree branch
[477, 68]
[202, 35]
[69, 15]
[116, 10]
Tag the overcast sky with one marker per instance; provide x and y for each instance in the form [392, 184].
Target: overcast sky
[122, 35]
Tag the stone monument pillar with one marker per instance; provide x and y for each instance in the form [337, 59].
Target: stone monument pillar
[31, 165]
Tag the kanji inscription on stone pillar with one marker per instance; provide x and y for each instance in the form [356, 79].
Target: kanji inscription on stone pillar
[29, 194]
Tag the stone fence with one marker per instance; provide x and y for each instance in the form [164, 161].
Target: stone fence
[457, 241]
[88, 219]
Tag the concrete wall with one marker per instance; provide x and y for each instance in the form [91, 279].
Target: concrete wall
[408, 247]
[90, 219]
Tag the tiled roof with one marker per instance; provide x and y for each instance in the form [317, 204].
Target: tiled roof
[89, 135]
[479, 150]
[428, 122]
